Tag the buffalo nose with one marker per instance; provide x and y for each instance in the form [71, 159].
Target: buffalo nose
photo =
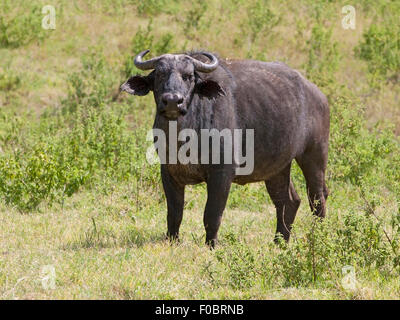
[172, 99]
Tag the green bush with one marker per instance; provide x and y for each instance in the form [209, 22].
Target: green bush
[92, 146]
[93, 84]
[194, 19]
[260, 19]
[358, 154]
[151, 7]
[318, 257]
[380, 48]
[86, 142]
[240, 262]
[259, 22]
[9, 80]
[144, 39]
[20, 25]
[323, 56]
[314, 257]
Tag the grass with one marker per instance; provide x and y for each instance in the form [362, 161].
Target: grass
[77, 193]
[121, 257]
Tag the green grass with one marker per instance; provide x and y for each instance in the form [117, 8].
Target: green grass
[77, 193]
[123, 255]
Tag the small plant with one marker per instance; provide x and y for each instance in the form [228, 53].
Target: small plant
[144, 39]
[239, 260]
[315, 257]
[261, 19]
[323, 56]
[92, 143]
[93, 85]
[20, 27]
[151, 7]
[9, 80]
[193, 20]
[259, 23]
[380, 48]
[359, 153]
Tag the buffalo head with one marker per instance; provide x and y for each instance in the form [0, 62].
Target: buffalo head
[174, 80]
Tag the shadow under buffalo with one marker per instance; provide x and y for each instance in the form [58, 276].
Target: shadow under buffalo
[103, 239]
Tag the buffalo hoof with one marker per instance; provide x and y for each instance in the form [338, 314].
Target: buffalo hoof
[211, 243]
[281, 239]
[173, 238]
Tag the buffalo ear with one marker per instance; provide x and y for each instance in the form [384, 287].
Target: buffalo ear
[138, 85]
[210, 89]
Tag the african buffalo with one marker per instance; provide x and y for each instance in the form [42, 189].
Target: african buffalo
[289, 115]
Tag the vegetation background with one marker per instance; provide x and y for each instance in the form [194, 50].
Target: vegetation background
[77, 193]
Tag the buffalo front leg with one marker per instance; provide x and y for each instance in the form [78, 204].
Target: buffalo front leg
[218, 186]
[175, 201]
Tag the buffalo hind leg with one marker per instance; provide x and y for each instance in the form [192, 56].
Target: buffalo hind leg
[286, 201]
[313, 165]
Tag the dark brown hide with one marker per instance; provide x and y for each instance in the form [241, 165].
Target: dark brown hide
[289, 115]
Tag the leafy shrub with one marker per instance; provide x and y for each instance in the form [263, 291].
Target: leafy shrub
[260, 19]
[256, 195]
[358, 153]
[321, 11]
[380, 47]
[27, 181]
[319, 255]
[259, 22]
[85, 142]
[239, 260]
[20, 27]
[323, 56]
[95, 144]
[58, 166]
[151, 7]
[193, 19]
[315, 257]
[144, 39]
[94, 84]
[9, 80]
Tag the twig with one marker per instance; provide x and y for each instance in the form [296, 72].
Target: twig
[372, 211]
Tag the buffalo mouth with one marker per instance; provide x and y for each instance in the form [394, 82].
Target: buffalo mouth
[174, 113]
